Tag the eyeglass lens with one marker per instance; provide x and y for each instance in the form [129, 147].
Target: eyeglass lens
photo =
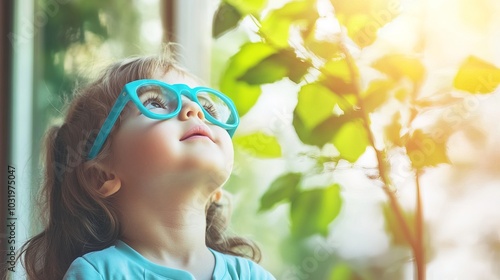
[161, 100]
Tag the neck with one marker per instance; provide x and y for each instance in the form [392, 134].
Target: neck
[171, 234]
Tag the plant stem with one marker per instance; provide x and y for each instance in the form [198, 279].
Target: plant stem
[415, 243]
[419, 228]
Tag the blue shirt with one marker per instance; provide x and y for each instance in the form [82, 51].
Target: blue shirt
[120, 261]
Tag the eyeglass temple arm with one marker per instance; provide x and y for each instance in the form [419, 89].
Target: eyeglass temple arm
[108, 125]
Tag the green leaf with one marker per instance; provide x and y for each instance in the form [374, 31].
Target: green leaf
[275, 67]
[226, 18]
[310, 136]
[325, 49]
[336, 75]
[424, 151]
[283, 188]
[313, 210]
[315, 104]
[322, 133]
[244, 95]
[314, 118]
[342, 271]
[267, 71]
[248, 6]
[363, 18]
[402, 94]
[351, 140]
[276, 25]
[249, 55]
[398, 66]
[477, 76]
[392, 132]
[259, 144]
[376, 94]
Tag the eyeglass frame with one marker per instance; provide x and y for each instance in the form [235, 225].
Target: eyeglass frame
[129, 93]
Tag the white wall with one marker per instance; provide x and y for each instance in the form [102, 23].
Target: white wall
[193, 31]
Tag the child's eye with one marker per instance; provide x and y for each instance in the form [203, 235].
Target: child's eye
[214, 106]
[211, 110]
[156, 98]
[209, 107]
[155, 102]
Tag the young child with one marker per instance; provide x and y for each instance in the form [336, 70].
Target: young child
[133, 182]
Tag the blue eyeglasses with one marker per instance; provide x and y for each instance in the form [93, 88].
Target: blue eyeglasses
[162, 101]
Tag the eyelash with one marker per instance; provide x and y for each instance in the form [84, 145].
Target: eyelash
[154, 98]
[210, 108]
[151, 97]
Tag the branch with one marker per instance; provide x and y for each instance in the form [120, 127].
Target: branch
[384, 174]
[419, 230]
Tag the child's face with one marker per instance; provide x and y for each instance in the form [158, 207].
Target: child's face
[161, 159]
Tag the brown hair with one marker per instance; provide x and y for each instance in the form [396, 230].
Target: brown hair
[78, 219]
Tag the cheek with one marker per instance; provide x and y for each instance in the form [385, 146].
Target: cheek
[226, 144]
[229, 150]
[141, 149]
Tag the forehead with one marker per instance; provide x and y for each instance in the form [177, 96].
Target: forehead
[179, 77]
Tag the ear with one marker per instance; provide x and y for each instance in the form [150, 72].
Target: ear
[111, 186]
[217, 196]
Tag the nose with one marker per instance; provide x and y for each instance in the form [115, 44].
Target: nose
[190, 109]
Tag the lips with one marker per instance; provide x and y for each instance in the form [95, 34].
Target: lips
[197, 131]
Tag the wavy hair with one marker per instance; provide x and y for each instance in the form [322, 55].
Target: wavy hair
[78, 219]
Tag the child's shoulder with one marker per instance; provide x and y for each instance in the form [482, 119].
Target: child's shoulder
[98, 264]
[234, 267]
[120, 260]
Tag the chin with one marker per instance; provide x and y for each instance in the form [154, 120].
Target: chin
[216, 175]
[213, 171]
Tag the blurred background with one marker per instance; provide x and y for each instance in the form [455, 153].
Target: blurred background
[48, 45]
